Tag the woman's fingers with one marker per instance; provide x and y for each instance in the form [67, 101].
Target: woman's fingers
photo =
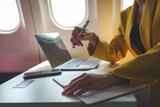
[77, 36]
[72, 41]
[77, 78]
[78, 87]
[83, 90]
[87, 35]
[77, 84]
[87, 82]
[77, 41]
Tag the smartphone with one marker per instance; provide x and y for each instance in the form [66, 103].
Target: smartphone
[38, 74]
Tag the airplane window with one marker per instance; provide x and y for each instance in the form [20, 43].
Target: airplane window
[67, 14]
[9, 16]
[126, 4]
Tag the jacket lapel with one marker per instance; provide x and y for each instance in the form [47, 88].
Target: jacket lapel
[130, 22]
[156, 25]
[146, 23]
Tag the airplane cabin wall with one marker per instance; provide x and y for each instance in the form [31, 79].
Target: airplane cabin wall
[18, 50]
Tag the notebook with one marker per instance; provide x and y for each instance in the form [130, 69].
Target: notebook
[97, 96]
[59, 57]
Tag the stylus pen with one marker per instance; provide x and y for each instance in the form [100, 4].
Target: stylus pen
[82, 31]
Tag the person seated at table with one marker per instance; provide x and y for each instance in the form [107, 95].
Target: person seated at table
[138, 32]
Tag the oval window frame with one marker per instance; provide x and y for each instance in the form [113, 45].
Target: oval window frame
[18, 24]
[63, 27]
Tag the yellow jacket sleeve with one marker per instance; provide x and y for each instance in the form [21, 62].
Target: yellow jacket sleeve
[142, 69]
[112, 52]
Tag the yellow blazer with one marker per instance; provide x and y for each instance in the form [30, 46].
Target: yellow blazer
[144, 68]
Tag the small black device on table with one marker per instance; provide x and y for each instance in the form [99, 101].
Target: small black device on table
[38, 74]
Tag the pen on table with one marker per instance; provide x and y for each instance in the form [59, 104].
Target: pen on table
[82, 31]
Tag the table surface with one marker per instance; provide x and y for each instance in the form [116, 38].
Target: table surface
[44, 92]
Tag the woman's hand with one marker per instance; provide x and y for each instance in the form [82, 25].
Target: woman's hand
[87, 82]
[86, 36]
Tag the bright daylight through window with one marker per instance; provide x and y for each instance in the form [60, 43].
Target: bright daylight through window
[67, 14]
[9, 16]
[126, 4]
